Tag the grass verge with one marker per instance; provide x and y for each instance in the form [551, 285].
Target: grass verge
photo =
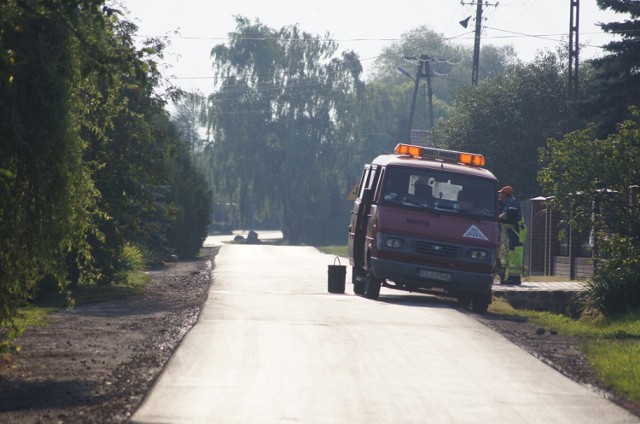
[85, 294]
[31, 316]
[334, 250]
[38, 313]
[612, 345]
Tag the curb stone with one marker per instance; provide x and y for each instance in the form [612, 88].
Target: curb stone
[557, 297]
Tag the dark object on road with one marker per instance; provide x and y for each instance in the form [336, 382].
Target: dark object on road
[337, 277]
[252, 238]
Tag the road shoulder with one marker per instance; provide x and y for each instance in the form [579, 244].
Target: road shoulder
[97, 362]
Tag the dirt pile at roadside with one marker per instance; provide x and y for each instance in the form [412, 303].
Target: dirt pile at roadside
[97, 362]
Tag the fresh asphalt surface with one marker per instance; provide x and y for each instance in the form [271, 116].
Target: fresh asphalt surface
[273, 346]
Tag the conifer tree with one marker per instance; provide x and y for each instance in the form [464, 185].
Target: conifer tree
[617, 80]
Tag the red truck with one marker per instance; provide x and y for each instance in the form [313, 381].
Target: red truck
[426, 220]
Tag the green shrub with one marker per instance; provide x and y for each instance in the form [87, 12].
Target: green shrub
[615, 286]
[134, 258]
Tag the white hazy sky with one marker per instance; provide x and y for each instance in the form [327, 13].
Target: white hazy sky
[195, 26]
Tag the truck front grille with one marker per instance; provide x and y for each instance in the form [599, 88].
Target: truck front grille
[436, 249]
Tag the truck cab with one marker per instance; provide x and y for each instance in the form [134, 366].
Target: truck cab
[425, 220]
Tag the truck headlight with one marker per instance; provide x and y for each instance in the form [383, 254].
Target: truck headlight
[393, 243]
[479, 255]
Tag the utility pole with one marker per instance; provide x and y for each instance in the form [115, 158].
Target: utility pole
[423, 70]
[476, 43]
[427, 72]
[574, 48]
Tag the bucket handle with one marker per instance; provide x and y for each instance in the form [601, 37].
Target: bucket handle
[336, 259]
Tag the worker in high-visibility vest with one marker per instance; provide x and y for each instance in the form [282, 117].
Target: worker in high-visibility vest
[509, 268]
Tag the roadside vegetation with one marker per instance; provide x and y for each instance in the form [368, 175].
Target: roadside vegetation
[335, 250]
[50, 300]
[91, 163]
[612, 344]
[37, 313]
[31, 316]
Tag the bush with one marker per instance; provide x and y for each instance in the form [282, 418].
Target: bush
[615, 286]
[134, 258]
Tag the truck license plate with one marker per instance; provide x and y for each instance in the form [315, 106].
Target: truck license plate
[433, 275]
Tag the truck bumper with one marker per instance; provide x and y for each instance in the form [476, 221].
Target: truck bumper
[421, 276]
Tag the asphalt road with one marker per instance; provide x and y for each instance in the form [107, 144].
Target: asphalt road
[273, 346]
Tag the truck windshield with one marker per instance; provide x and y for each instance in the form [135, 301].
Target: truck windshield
[440, 191]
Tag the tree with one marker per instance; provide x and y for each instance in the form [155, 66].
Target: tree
[87, 152]
[47, 214]
[451, 64]
[129, 148]
[192, 202]
[387, 97]
[190, 118]
[277, 117]
[508, 118]
[595, 185]
[616, 85]
[151, 194]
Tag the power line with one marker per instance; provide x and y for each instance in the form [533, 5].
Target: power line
[455, 37]
[310, 40]
[340, 105]
[544, 37]
[513, 34]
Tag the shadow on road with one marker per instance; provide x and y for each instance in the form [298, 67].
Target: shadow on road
[417, 300]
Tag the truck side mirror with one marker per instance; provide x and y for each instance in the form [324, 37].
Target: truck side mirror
[367, 196]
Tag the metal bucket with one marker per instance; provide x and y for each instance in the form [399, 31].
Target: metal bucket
[337, 277]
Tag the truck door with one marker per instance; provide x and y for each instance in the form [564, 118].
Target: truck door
[359, 216]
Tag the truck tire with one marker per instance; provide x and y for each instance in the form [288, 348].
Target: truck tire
[463, 300]
[480, 303]
[372, 289]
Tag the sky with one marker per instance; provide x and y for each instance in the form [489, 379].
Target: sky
[193, 27]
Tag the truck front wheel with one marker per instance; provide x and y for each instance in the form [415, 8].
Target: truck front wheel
[464, 300]
[373, 284]
[480, 303]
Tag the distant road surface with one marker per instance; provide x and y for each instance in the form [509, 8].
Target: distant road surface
[273, 346]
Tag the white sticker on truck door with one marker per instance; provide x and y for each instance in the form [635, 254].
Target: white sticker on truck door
[475, 233]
